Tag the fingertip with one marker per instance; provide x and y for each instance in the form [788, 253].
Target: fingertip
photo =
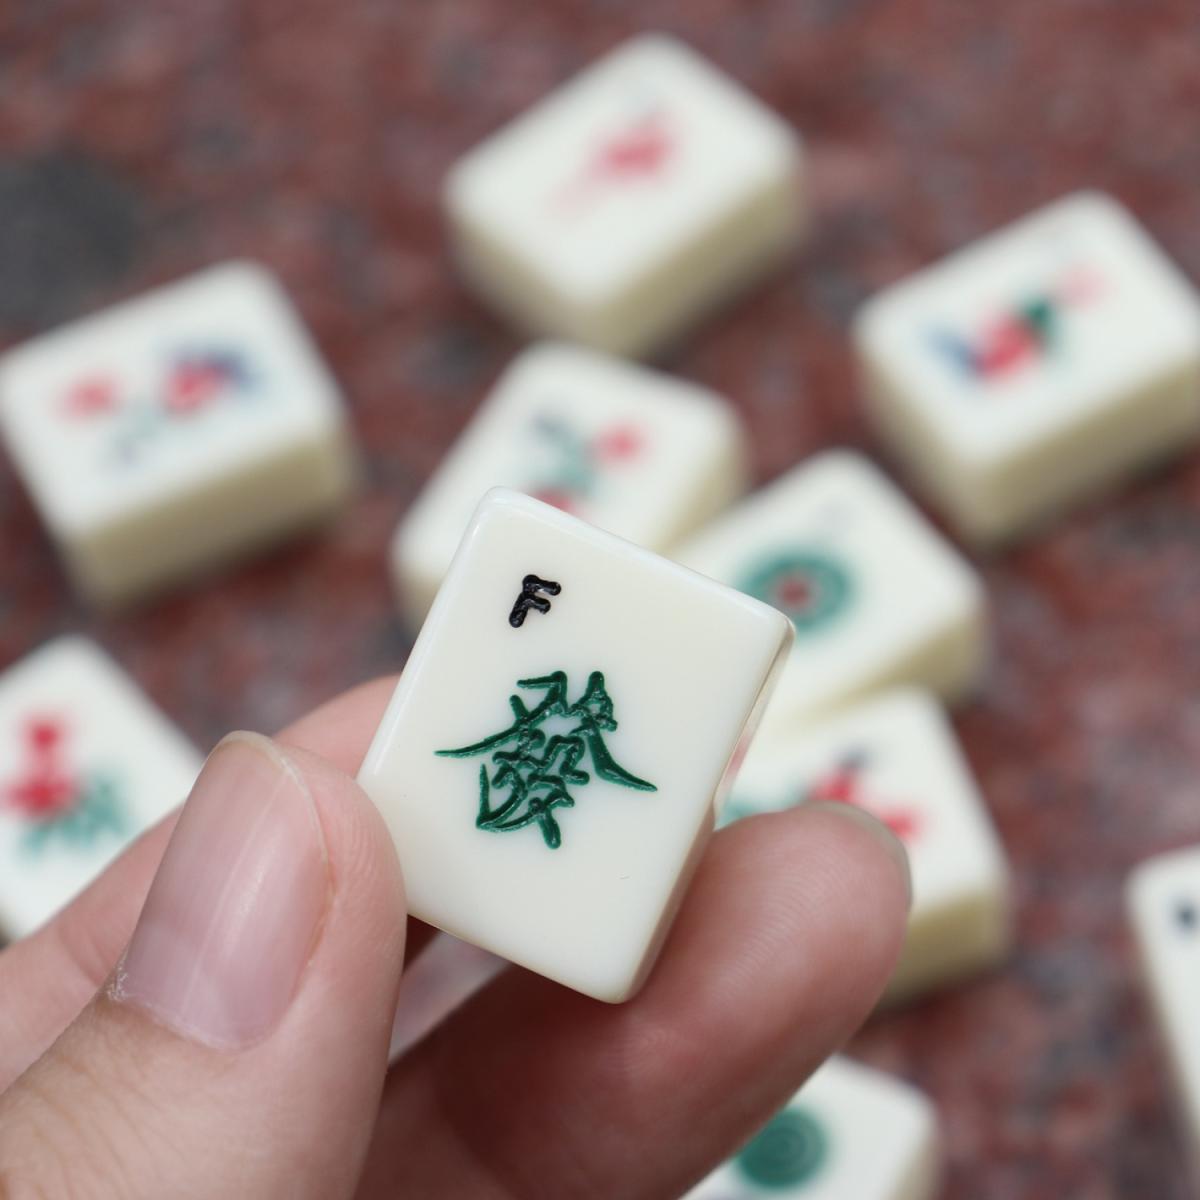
[361, 849]
[882, 837]
[781, 948]
[787, 894]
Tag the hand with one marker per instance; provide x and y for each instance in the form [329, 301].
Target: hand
[231, 1040]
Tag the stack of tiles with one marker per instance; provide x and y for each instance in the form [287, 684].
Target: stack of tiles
[629, 201]
[640, 454]
[86, 765]
[552, 759]
[896, 757]
[1164, 902]
[175, 430]
[875, 595]
[1036, 366]
[851, 1133]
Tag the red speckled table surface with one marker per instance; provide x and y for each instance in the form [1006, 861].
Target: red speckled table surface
[140, 142]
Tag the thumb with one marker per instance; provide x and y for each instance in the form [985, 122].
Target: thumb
[241, 1044]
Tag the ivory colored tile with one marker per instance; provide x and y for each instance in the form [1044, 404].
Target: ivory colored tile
[552, 758]
[877, 597]
[629, 201]
[172, 431]
[851, 1133]
[1164, 903]
[637, 452]
[896, 757]
[87, 764]
[1036, 366]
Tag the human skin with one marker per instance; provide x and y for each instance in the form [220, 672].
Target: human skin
[226, 1033]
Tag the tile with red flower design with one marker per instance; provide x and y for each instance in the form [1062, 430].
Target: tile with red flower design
[896, 757]
[174, 430]
[627, 202]
[1036, 365]
[637, 452]
[86, 765]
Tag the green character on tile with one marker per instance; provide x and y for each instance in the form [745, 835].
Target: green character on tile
[538, 770]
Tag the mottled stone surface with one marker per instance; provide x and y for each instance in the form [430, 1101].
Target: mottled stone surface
[138, 142]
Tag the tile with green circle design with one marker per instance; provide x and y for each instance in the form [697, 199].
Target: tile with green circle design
[851, 1133]
[876, 595]
[176, 430]
[561, 736]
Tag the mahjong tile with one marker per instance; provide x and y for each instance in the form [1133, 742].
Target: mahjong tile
[851, 1133]
[87, 763]
[896, 757]
[1036, 365]
[1164, 903]
[550, 763]
[629, 200]
[637, 452]
[174, 430]
[875, 595]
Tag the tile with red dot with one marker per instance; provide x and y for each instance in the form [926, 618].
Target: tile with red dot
[850, 1133]
[876, 595]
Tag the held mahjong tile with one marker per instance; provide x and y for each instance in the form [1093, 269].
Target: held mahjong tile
[638, 453]
[876, 596]
[1164, 903]
[628, 201]
[1035, 366]
[896, 757]
[86, 765]
[851, 1133]
[555, 750]
[174, 430]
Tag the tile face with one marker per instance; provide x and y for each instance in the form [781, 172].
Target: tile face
[875, 595]
[86, 765]
[1164, 903]
[174, 430]
[551, 759]
[629, 200]
[634, 451]
[1036, 365]
[896, 757]
[851, 1133]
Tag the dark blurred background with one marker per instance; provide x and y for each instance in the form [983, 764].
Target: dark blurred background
[140, 142]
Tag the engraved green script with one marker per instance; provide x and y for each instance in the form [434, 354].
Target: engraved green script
[539, 771]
